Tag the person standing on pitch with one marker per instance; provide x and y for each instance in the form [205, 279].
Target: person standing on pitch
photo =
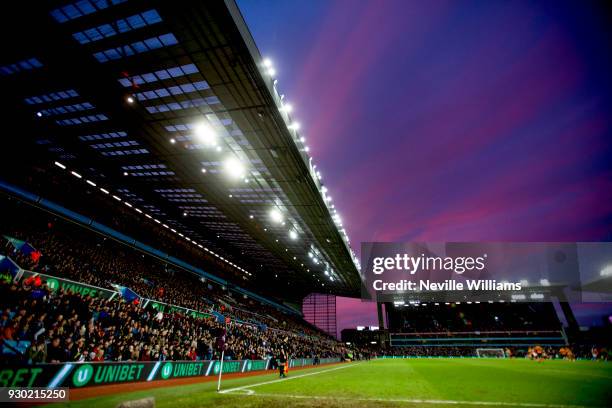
[282, 361]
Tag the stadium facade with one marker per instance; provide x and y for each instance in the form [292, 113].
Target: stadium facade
[320, 310]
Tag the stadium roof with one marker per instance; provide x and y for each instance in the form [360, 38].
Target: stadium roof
[170, 107]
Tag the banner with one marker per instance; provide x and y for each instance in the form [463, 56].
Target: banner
[82, 289]
[89, 374]
[166, 308]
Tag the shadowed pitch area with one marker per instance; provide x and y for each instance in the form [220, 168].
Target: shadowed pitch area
[415, 382]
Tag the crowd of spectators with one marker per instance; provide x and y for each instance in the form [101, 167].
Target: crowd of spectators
[60, 326]
[471, 317]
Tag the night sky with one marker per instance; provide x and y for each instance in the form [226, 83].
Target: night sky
[435, 120]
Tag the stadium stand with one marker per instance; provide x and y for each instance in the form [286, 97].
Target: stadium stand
[64, 326]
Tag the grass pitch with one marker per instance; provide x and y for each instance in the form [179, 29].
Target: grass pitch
[400, 382]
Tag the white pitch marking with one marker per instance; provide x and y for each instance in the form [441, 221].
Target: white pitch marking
[286, 379]
[417, 401]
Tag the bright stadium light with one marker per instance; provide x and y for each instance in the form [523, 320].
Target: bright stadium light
[287, 107]
[60, 165]
[276, 215]
[234, 167]
[294, 126]
[293, 235]
[205, 134]
[267, 62]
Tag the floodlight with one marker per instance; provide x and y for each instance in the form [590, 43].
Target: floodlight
[276, 215]
[234, 167]
[205, 134]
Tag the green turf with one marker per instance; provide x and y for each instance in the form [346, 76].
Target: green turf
[399, 382]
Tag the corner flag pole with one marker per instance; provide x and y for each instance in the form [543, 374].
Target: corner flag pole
[222, 355]
[220, 370]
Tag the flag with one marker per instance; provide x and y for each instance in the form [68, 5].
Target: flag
[33, 281]
[225, 304]
[24, 247]
[35, 255]
[218, 316]
[126, 293]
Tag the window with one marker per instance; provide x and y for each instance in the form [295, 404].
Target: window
[102, 136]
[111, 145]
[119, 26]
[51, 97]
[82, 119]
[124, 152]
[81, 8]
[138, 47]
[160, 75]
[25, 65]
[61, 110]
[191, 103]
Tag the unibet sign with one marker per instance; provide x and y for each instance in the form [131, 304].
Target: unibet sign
[177, 369]
[53, 284]
[19, 377]
[58, 283]
[82, 375]
[228, 366]
[106, 374]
